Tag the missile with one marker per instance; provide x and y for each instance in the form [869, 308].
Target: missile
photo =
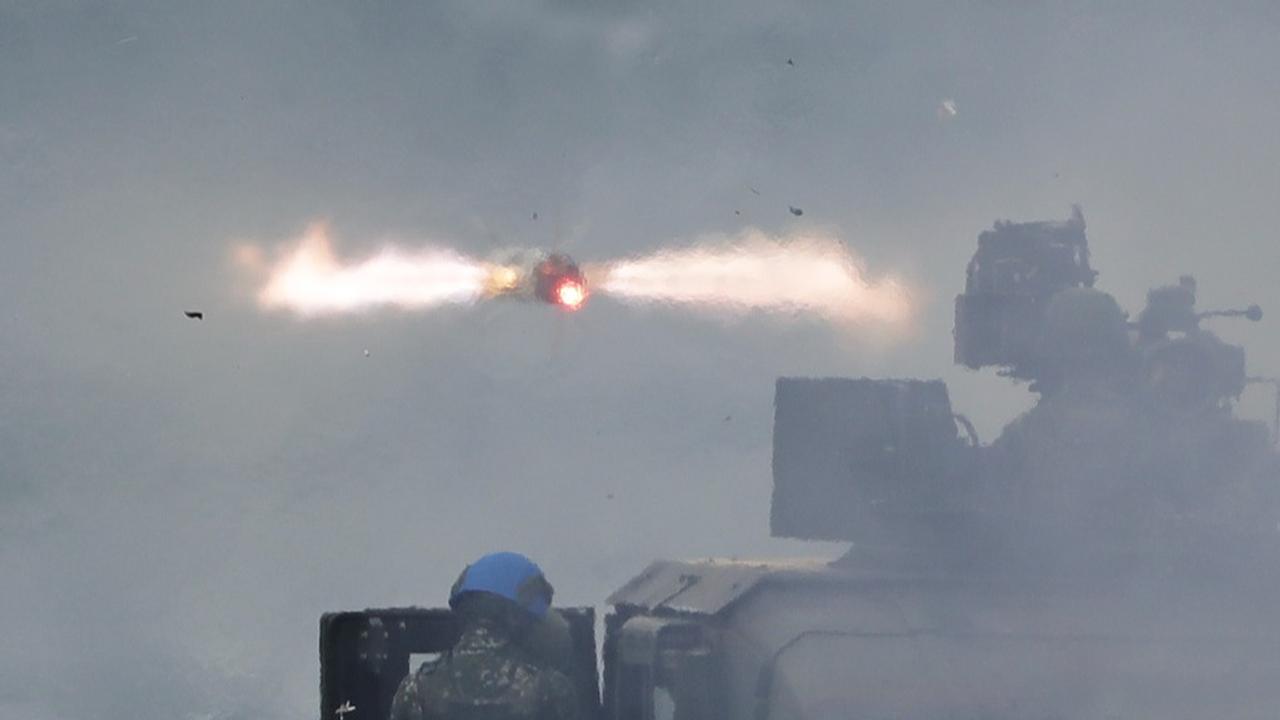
[552, 278]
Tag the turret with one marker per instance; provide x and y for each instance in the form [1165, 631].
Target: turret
[1015, 273]
[1134, 435]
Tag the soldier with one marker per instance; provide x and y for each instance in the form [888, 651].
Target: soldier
[488, 674]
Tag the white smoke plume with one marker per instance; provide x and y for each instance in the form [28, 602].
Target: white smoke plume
[753, 271]
[310, 280]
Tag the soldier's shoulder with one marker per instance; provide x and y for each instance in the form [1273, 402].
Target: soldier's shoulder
[535, 662]
[534, 674]
[410, 696]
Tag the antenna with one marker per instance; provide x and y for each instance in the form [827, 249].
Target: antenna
[1253, 313]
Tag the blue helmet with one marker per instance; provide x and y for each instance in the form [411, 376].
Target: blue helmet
[508, 575]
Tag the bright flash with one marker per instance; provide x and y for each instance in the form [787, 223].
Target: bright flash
[502, 278]
[571, 294]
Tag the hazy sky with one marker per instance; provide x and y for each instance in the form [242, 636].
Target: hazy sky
[180, 500]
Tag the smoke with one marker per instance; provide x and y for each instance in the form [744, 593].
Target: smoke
[191, 495]
[755, 272]
[310, 280]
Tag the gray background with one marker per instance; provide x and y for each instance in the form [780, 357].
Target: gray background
[180, 500]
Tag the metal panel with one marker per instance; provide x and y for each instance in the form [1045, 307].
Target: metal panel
[854, 459]
[704, 588]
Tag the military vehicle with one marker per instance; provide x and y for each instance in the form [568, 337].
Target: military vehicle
[1115, 553]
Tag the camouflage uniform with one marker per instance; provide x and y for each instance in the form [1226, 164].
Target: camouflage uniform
[486, 676]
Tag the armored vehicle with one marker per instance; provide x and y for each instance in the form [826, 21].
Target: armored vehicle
[1114, 553]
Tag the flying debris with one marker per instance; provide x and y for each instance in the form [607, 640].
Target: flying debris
[194, 314]
[947, 109]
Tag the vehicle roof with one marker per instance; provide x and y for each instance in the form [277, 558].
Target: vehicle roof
[708, 587]
[704, 587]
[714, 586]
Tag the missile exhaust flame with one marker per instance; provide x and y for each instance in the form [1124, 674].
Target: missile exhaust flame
[756, 272]
[311, 280]
[751, 272]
